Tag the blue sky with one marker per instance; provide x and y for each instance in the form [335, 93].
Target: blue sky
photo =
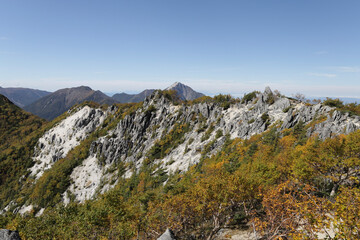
[223, 46]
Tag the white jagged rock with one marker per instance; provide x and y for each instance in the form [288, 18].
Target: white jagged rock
[59, 140]
[86, 179]
[25, 209]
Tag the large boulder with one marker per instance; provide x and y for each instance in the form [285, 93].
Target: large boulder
[6, 234]
[167, 235]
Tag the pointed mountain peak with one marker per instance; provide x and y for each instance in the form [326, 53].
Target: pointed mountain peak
[176, 84]
[185, 92]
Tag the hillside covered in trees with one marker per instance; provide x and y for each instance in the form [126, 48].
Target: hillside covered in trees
[280, 168]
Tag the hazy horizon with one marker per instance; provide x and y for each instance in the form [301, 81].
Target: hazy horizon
[229, 47]
[110, 94]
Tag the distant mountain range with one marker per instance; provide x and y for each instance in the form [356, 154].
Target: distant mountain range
[49, 105]
[54, 104]
[131, 98]
[184, 92]
[23, 96]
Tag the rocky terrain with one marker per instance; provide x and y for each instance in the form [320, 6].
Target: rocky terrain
[204, 128]
[91, 148]
[193, 129]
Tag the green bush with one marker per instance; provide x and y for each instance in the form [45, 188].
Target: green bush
[208, 132]
[265, 117]
[225, 101]
[219, 133]
[169, 141]
[333, 102]
[248, 97]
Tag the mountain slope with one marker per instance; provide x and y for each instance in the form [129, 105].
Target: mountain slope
[18, 138]
[53, 105]
[175, 136]
[162, 161]
[185, 92]
[123, 97]
[15, 123]
[23, 96]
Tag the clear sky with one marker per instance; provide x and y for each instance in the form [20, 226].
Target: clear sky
[223, 46]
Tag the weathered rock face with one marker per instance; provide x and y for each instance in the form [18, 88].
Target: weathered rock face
[58, 141]
[206, 124]
[6, 234]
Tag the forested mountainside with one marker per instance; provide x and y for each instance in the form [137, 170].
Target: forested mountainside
[132, 170]
[16, 145]
[15, 123]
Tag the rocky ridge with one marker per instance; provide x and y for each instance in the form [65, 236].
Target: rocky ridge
[172, 135]
[201, 129]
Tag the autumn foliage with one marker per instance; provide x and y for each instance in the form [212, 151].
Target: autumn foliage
[279, 185]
